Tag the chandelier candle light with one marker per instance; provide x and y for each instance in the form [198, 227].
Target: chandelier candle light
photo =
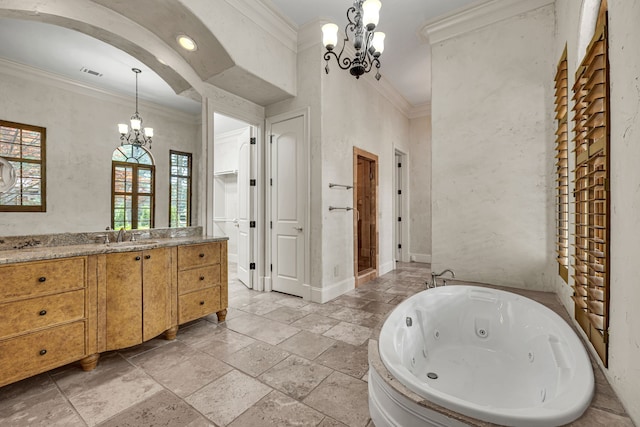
[363, 17]
[136, 135]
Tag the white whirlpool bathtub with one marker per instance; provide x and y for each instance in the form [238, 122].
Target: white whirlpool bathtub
[482, 353]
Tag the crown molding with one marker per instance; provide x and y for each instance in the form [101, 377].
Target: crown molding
[476, 16]
[386, 89]
[265, 14]
[37, 75]
[420, 110]
[310, 34]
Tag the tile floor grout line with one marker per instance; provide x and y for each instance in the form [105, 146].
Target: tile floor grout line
[64, 395]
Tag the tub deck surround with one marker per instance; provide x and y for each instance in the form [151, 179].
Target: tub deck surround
[60, 304]
[604, 407]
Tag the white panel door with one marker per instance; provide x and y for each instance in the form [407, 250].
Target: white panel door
[288, 205]
[244, 210]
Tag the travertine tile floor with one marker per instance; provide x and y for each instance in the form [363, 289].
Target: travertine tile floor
[276, 361]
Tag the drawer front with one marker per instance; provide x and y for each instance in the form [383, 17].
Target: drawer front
[39, 278]
[31, 354]
[198, 278]
[198, 255]
[21, 316]
[198, 304]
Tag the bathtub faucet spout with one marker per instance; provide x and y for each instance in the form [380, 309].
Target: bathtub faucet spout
[435, 275]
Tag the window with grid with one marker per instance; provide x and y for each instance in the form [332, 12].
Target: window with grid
[23, 147]
[562, 167]
[133, 188]
[592, 201]
[180, 189]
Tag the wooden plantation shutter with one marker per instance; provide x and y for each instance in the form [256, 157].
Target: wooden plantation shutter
[562, 167]
[591, 95]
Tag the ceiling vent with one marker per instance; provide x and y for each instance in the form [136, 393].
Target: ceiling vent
[92, 72]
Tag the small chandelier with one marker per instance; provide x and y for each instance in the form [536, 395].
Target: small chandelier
[136, 135]
[363, 17]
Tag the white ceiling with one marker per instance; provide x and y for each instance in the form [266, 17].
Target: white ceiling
[405, 61]
[67, 52]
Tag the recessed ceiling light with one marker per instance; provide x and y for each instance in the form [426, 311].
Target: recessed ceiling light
[187, 42]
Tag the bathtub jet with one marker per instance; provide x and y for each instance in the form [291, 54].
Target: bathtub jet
[487, 354]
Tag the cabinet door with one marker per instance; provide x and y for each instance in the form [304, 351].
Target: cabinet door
[156, 292]
[124, 297]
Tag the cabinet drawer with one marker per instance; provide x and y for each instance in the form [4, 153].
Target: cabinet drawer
[198, 278]
[31, 354]
[198, 304]
[38, 278]
[21, 316]
[198, 255]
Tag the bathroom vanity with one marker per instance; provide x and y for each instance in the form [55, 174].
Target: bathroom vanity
[70, 303]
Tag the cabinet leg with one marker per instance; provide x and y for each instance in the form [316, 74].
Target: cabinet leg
[222, 315]
[90, 362]
[170, 334]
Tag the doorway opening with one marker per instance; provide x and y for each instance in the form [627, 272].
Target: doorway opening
[233, 194]
[365, 215]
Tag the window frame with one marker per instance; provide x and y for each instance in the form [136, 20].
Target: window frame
[562, 166]
[42, 207]
[136, 167]
[592, 195]
[189, 181]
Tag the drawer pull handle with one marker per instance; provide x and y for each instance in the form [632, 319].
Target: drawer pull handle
[43, 312]
[137, 258]
[42, 279]
[201, 302]
[201, 255]
[201, 277]
[43, 352]
[147, 256]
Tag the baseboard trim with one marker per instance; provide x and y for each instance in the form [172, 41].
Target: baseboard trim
[327, 293]
[420, 258]
[386, 267]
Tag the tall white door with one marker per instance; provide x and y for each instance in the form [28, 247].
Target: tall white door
[245, 208]
[289, 200]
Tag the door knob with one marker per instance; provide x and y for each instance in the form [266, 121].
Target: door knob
[297, 228]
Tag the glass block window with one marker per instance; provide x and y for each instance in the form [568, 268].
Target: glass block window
[180, 189]
[23, 147]
[133, 188]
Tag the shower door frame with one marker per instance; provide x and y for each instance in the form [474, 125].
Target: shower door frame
[371, 273]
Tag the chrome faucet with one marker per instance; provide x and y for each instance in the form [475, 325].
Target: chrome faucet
[120, 237]
[435, 275]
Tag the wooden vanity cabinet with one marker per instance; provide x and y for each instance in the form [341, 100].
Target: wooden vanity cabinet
[59, 311]
[46, 313]
[138, 297]
[202, 281]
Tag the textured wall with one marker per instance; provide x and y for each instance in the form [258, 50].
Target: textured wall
[355, 114]
[491, 110]
[420, 188]
[624, 346]
[81, 137]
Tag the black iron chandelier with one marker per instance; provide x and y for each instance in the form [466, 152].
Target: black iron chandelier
[137, 135]
[363, 17]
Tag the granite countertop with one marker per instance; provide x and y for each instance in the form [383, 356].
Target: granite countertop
[150, 241]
